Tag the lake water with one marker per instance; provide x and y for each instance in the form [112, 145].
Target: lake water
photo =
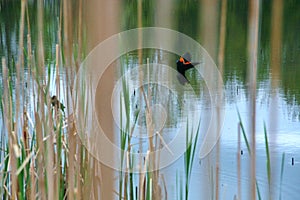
[278, 88]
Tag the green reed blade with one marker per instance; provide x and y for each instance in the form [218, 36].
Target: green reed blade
[244, 132]
[268, 155]
[258, 192]
[281, 174]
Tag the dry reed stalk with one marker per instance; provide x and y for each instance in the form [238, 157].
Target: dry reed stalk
[71, 158]
[52, 190]
[40, 118]
[26, 93]
[71, 162]
[13, 141]
[143, 175]
[40, 158]
[209, 32]
[68, 47]
[99, 182]
[276, 46]
[79, 35]
[12, 162]
[58, 123]
[28, 23]
[20, 63]
[7, 114]
[32, 193]
[57, 79]
[29, 64]
[40, 49]
[140, 53]
[67, 31]
[239, 162]
[221, 54]
[125, 185]
[85, 169]
[150, 130]
[275, 63]
[25, 131]
[78, 169]
[165, 186]
[252, 67]
[68, 52]
[59, 33]
[26, 145]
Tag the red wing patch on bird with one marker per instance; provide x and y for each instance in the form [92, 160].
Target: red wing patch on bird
[182, 61]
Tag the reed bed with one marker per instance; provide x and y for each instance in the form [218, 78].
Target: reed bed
[189, 155]
[152, 184]
[42, 156]
[40, 140]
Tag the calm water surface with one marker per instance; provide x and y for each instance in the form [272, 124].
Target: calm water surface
[278, 89]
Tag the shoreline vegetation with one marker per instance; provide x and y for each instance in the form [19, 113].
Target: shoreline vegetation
[43, 158]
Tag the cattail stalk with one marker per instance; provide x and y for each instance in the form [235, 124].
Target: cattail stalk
[221, 54]
[239, 162]
[275, 64]
[254, 7]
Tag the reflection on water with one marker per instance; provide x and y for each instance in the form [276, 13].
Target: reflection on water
[187, 19]
[287, 133]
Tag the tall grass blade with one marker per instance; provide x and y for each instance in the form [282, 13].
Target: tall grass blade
[6, 174]
[281, 174]
[189, 155]
[268, 156]
[123, 142]
[244, 132]
[258, 191]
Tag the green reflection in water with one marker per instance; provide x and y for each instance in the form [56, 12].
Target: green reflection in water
[186, 18]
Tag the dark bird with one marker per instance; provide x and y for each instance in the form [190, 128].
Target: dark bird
[56, 103]
[184, 63]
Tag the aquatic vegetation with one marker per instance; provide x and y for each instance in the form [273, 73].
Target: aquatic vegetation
[281, 174]
[42, 153]
[189, 155]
